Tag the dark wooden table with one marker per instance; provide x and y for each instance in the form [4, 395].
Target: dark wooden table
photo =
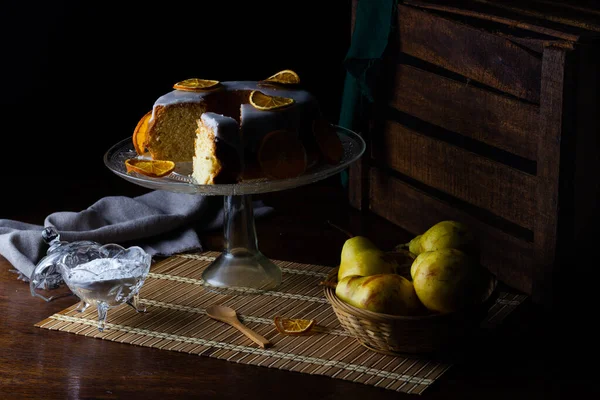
[529, 356]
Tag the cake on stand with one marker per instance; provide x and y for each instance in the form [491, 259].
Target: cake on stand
[241, 264]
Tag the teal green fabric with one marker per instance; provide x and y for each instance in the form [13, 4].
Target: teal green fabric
[373, 25]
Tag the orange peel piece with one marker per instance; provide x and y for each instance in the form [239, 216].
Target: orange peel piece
[263, 101]
[195, 84]
[282, 155]
[153, 168]
[293, 326]
[286, 77]
[140, 133]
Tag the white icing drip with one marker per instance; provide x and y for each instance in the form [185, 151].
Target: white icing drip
[225, 128]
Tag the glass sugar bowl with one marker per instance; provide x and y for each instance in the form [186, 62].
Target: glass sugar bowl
[111, 279]
[104, 276]
[113, 276]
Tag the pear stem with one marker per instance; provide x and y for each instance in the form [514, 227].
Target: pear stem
[402, 246]
[350, 235]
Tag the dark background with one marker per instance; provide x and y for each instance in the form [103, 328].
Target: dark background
[77, 77]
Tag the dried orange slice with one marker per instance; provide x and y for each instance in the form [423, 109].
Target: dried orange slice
[263, 101]
[140, 133]
[282, 155]
[328, 141]
[293, 326]
[286, 76]
[153, 168]
[195, 84]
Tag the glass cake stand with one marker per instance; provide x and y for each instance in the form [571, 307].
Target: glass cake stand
[241, 264]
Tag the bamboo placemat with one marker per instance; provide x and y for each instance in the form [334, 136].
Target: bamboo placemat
[176, 298]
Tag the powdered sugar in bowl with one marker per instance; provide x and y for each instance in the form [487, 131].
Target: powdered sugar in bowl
[114, 277]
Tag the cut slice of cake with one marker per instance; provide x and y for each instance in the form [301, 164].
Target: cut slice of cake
[218, 152]
[171, 131]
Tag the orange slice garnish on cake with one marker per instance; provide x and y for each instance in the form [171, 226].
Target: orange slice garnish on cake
[153, 168]
[329, 143]
[286, 77]
[263, 101]
[293, 326]
[282, 155]
[195, 84]
[140, 133]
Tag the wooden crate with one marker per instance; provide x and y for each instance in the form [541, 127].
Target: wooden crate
[487, 113]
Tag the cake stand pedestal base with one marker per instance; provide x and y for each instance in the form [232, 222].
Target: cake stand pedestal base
[241, 265]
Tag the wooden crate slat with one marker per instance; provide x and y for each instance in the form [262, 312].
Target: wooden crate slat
[499, 121]
[548, 170]
[467, 176]
[504, 16]
[357, 185]
[508, 257]
[553, 11]
[474, 53]
[532, 44]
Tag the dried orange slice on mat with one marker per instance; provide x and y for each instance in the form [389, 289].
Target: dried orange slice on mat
[286, 76]
[153, 168]
[140, 133]
[293, 326]
[282, 155]
[329, 143]
[263, 101]
[195, 84]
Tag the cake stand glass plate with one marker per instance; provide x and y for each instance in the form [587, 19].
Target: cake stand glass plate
[241, 265]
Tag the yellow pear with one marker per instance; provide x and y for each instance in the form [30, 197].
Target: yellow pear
[448, 280]
[415, 244]
[382, 293]
[418, 260]
[361, 257]
[355, 245]
[446, 234]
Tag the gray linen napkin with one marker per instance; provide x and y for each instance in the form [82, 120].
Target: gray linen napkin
[162, 223]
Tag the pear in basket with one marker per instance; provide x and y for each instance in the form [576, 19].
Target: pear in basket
[381, 293]
[444, 234]
[448, 280]
[361, 257]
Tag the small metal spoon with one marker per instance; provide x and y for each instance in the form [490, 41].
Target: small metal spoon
[229, 316]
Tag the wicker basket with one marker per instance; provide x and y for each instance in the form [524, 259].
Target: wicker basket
[395, 335]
